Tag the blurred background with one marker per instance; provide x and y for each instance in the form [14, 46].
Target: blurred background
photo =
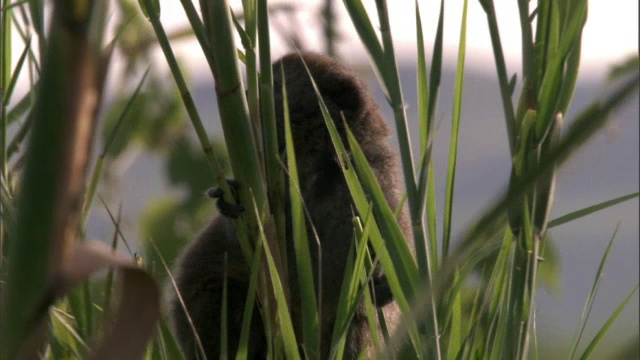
[157, 174]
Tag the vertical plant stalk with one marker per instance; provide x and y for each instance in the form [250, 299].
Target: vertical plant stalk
[455, 126]
[248, 39]
[426, 181]
[397, 103]
[528, 56]
[232, 107]
[198, 29]
[194, 116]
[532, 272]
[501, 68]
[58, 152]
[426, 142]
[5, 75]
[274, 174]
[47, 260]
[5, 70]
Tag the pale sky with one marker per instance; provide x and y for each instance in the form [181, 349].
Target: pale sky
[611, 33]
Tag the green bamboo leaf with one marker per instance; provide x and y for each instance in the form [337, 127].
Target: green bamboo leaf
[553, 76]
[65, 339]
[394, 87]
[571, 77]
[351, 291]
[512, 83]
[426, 181]
[401, 280]
[41, 182]
[310, 323]
[108, 284]
[426, 141]
[436, 66]
[455, 127]
[586, 311]
[284, 316]
[22, 106]
[8, 91]
[590, 210]
[501, 68]
[272, 164]
[546, 185]
[367, 34]
[243, 343]
[519, 169]
[247, 38]
[455, 332]
[605, 328]
[386, 219]
[528, 58]
[423, 87]
[553, 37]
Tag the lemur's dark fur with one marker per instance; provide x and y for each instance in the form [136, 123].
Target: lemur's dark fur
[327, 198]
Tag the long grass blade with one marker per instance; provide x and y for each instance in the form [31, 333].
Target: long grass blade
[249, 307]
[274, 174]
[367, 34]
[501, 68]
[434, 87]
[284, 315]
[174, 286]
[8, 91]
[552, 81]
[423, 86]
[586, 311]
[426, 142]
[310, 318]
[574, 215]
[455, 127]
[401, 276]
[605, 328]
[99, 166]
[476, 237]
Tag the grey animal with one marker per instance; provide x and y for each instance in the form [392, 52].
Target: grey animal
[325, 193]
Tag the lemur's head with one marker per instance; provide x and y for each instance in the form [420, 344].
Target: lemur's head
[344, 95]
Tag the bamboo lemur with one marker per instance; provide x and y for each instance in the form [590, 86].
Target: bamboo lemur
[327, 198]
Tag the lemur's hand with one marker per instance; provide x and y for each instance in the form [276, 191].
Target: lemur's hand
[230, 210]
[380, 290]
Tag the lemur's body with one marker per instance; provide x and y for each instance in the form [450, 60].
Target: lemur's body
[327, 198]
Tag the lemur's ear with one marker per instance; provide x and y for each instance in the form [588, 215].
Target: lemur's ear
[345, 91]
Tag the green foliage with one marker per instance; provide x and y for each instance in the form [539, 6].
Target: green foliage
[473, 298]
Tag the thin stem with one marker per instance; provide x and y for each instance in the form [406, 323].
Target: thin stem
[392, 80]
[501, 68]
